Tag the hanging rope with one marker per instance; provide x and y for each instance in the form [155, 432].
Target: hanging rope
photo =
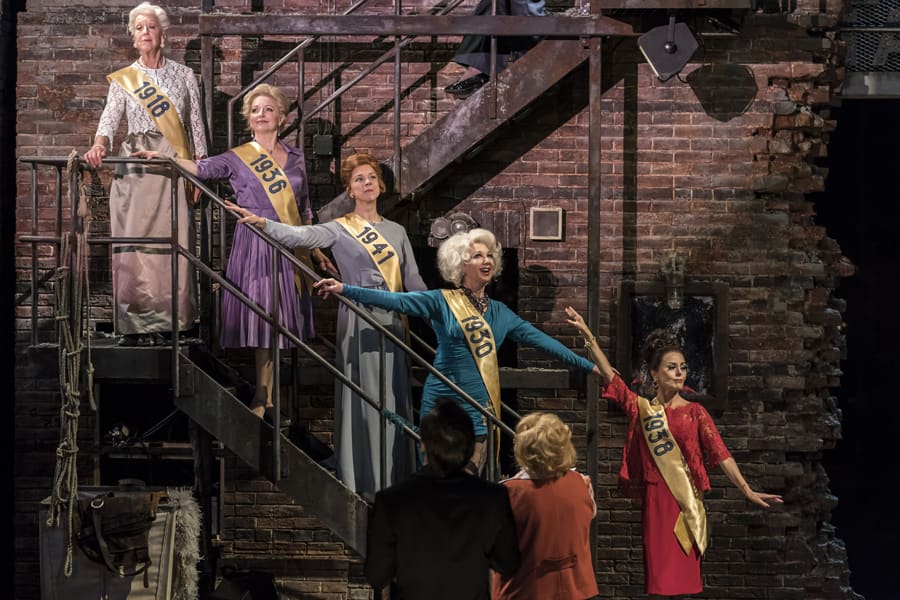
[71, 288]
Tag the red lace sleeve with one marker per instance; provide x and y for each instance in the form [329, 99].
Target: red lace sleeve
[619, 394]
[711, 442]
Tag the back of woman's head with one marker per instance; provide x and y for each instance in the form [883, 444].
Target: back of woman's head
[543, 446]
[449, 437]
[658, 343]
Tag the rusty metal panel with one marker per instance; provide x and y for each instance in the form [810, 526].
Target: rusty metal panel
[427, 25]
[459, 131]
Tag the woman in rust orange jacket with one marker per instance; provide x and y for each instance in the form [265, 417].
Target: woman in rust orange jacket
[553, 506]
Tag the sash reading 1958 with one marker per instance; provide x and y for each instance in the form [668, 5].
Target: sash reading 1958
[159, 107]
[379, 249]
[690, 528]
[481, 343]
[278, 189]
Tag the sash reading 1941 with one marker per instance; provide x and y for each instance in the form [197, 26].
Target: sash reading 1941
[159, 107]
[481, 343]
[278, 189]
[383, 254]
[690, 528]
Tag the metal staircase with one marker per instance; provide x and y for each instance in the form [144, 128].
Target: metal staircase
[450, 139]
[229, 420]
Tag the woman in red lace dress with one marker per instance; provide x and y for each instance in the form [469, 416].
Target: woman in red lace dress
[663, 463]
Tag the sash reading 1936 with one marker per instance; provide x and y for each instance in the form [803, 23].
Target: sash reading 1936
[278, 190]
[690, 528]
[480, 339]
[159, 107]
[383, 254]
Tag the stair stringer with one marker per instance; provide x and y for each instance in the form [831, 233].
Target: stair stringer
[230, 421]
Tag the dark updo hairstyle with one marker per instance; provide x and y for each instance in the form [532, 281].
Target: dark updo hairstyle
[658, 344]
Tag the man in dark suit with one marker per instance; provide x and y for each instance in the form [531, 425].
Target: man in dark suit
[436, 534]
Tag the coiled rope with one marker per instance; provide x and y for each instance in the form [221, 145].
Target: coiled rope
[72, 286]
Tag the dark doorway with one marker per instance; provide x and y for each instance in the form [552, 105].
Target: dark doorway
[861, 210]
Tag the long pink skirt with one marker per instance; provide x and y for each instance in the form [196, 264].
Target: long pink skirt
[668, 571]
[140, 205]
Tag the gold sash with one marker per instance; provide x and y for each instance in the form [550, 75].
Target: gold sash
[383, 254]
[481, 343]
[690, 528]
[159, 107]
[278, 190]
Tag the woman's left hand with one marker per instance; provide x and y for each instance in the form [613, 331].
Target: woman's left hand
[329, 286]
[148, 154]
[761, 498]
[324, 263]
[577, 320]
[245, 216]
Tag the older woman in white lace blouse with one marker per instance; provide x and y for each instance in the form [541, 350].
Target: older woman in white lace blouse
[160, 99]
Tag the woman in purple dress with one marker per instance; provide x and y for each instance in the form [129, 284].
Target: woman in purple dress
[269, 178]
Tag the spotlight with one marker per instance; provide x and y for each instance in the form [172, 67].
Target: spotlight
[444, 227]
[668, 48]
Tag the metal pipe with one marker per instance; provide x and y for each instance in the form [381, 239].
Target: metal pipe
[275, 355]
[174, 182]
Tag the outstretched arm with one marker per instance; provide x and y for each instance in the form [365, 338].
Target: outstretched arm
[731, 470]
[188, 165]
[424, 305]
[590, 342]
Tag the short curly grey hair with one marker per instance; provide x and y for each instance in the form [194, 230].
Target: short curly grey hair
[456, 250]
[145, 8]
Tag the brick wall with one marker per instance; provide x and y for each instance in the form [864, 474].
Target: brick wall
[715, 166]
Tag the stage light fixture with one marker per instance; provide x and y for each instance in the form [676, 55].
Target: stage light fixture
[444, 227]
[668, 48]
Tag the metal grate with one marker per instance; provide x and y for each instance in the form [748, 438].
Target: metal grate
[872, 50]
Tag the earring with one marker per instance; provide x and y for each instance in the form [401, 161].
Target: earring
[654, 384]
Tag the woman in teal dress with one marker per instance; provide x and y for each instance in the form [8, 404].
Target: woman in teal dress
[469, 326]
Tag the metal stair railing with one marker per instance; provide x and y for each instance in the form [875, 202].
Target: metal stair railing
[272, 319]
[394, 52]
[278, 328]
[274, 68]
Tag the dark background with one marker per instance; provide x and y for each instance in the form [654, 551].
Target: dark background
[860, 209]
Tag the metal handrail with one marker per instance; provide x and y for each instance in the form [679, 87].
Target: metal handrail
[275, 67]
[273, 321]
[387, 55]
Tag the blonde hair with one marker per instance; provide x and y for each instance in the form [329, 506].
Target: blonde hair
[145, 8]
[357, 160]
[457, 249]
[270, 91]
[543, 446]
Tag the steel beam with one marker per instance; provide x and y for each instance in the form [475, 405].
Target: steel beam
[425, 25]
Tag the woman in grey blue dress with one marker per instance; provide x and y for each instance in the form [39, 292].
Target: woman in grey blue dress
[375, 253]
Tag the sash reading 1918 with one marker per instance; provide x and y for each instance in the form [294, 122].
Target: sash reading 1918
[690, 528]
[480, 339]
[278, 189]
[159, 107]
[383, 254]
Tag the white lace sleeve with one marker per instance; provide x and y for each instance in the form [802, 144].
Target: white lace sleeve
[112, 112]
[197, 130]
